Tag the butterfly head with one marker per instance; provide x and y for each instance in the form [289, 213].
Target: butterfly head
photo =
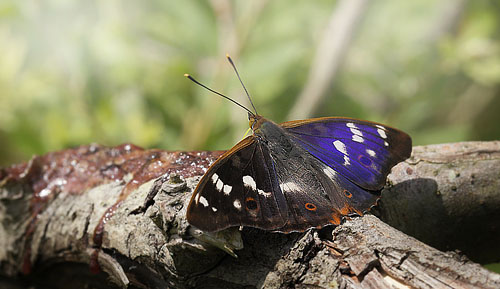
[255, 121]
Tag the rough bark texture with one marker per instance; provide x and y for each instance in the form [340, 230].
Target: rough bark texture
[95, 217]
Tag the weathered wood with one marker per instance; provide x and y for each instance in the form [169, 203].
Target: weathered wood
[146, 242]
[448, 196]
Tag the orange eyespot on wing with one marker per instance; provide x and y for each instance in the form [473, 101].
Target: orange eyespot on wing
[310, 206]
[251, 204]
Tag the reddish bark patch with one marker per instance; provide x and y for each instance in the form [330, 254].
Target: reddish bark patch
[77, 170]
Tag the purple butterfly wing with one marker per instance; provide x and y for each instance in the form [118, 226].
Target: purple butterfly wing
[316, 195]
[364, 152]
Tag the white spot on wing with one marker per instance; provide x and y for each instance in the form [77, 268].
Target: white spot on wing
[356, 132]
[329, 172]
[219, 185]
[357, 138]
[347, 161]
[214, 209]
[203, 201]
[371, 152]
[289, 187]
[227, 189]
[381, 132]
[215, 177]
[237, 204]
[262, 193]
[386, 144]
[248, 181]
[351, 125]
[340, 146]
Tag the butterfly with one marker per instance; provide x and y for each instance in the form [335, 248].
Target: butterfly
[298, 174]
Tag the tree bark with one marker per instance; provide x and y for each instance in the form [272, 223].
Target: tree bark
[96, 217]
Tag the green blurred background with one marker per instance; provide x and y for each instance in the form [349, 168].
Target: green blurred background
[109, 72]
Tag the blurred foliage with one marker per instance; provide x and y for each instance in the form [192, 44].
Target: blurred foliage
[75, 72]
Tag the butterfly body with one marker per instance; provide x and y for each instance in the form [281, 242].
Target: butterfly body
[297, 175]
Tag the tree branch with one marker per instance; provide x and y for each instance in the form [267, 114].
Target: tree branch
[120, 212]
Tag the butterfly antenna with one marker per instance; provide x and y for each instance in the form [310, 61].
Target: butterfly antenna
[237, 74]
[218, 93]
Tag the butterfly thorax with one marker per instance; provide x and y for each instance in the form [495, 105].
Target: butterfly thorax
[263, 128]
[273, 136]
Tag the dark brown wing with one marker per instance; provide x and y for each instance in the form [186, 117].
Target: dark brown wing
[240, 189]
